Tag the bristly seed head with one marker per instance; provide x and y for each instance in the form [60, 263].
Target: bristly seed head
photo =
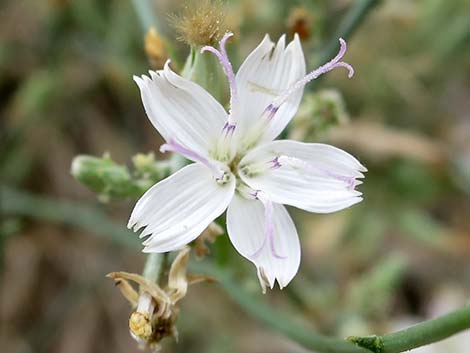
[201, 22]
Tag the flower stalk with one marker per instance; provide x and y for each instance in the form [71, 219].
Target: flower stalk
[154, 267]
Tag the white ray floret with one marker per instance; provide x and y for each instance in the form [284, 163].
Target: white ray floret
[237, 165]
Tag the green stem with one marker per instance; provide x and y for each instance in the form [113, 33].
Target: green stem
[20, 203]
[419, 335]
[153, 268]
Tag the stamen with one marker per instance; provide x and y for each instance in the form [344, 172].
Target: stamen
[272, 108]
[174, 146]
[225, 148]
[350, 181]
[275, 163]
[228, 70]
[268, 228]
[228, 129]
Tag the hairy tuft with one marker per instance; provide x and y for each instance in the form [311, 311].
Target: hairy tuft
[201, 22]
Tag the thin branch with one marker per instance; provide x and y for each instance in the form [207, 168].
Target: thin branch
[351, 21]
[419, 335]
[145, 14]
[15, 202]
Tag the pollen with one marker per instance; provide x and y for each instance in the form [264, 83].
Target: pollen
[201, 22]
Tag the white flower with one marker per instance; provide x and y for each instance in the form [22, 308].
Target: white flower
[238, 166]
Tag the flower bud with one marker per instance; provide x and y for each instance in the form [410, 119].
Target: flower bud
[300, 22]
[319, 112]
[102, 175]
[155, 48]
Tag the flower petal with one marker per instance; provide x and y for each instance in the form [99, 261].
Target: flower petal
[177, 209]
[266, 72]
[181, 110]
[246, 226]
[312, 176]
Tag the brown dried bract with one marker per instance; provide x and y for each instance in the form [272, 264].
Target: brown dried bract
[209, 235]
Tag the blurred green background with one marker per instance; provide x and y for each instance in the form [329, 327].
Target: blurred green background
[399, 257]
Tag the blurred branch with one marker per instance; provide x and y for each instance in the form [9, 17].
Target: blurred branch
[145, 13]
[15, 202]
[419, 335]
[92, 219]
[346, 28]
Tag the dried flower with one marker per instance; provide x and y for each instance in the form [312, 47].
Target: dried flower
[201, 22]
[300, 22]
[156, 312]
[209, 235]
[237, 165]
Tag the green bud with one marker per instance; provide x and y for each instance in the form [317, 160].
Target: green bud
[111, 180]
[145, 166]
[318, 112]
[103, 176]
[373, 343]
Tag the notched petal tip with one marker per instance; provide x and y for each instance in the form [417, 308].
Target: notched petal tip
[131, 224]
[264, 281]
[166, 67]
[147, 250]
[295, 43]
[137, 80]
[267, 38]
[146, 80]
[281, 42]
[154, 75]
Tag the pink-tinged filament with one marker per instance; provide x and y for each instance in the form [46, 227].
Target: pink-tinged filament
[272, 108]
[222, 56]
[268, 227]
[174, 146]
[279, 161]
